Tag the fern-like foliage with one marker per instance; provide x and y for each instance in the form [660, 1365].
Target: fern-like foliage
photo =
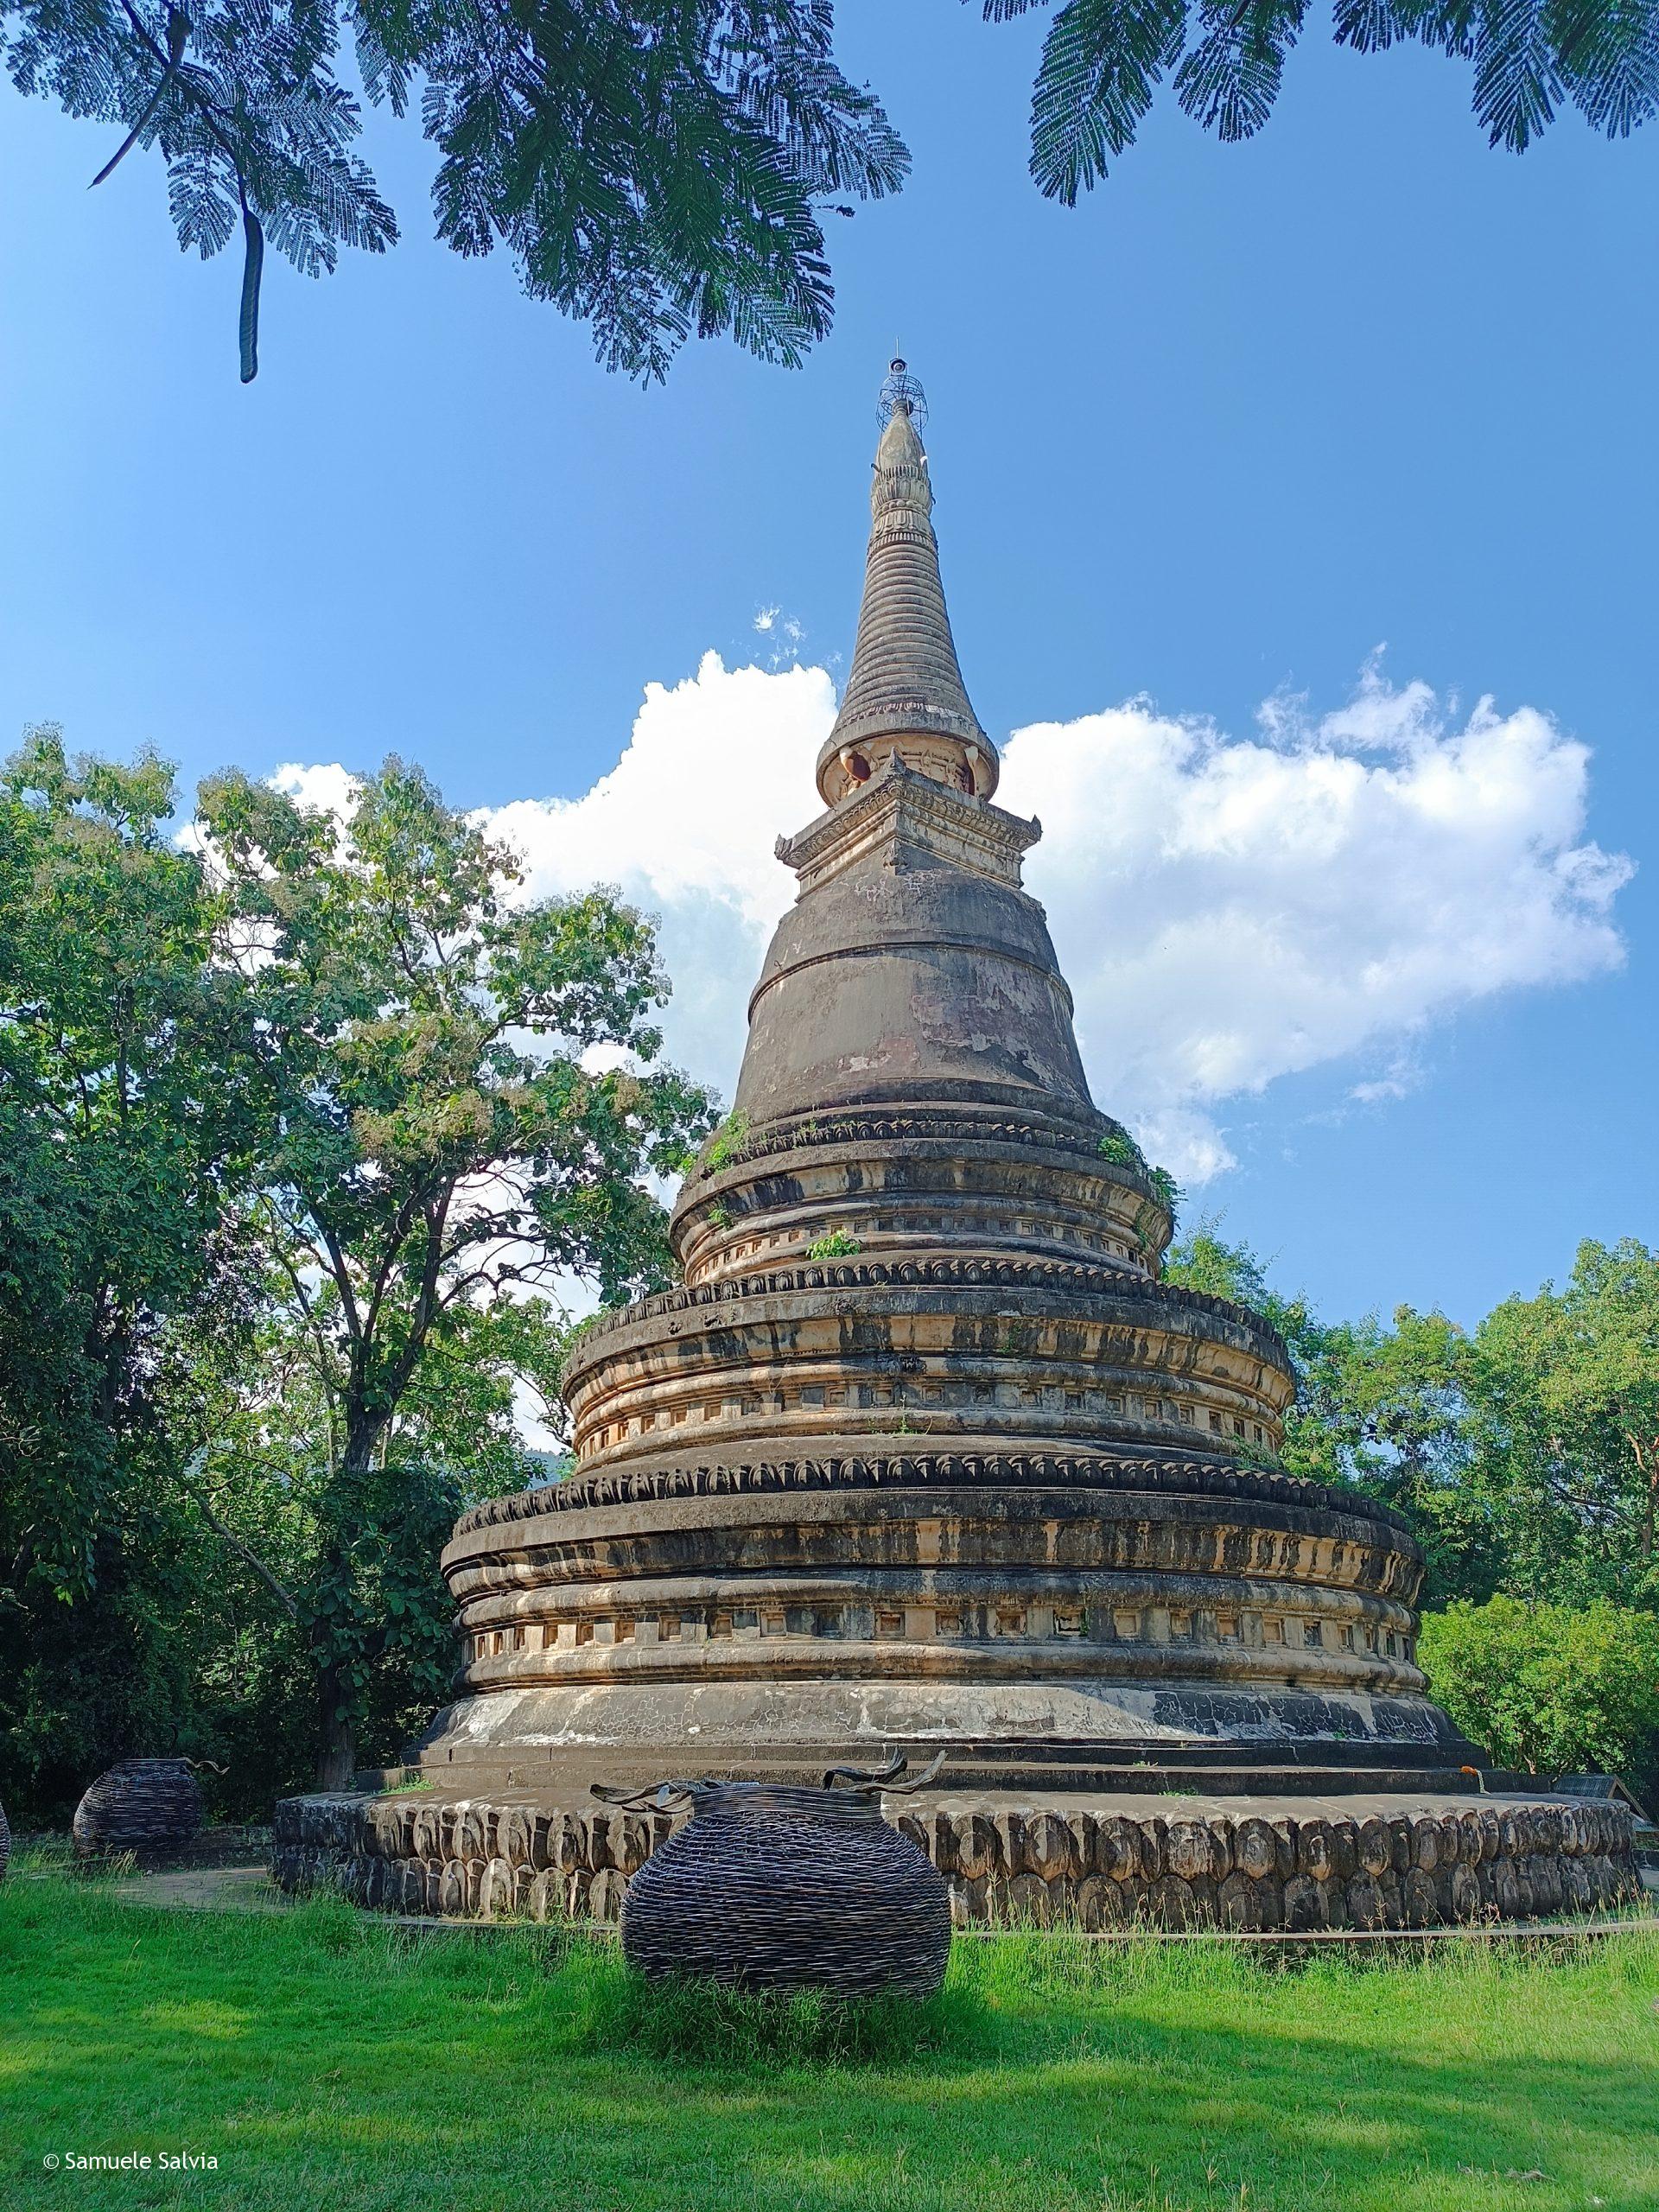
[240, 99]
[657, 167]
[1103, 61]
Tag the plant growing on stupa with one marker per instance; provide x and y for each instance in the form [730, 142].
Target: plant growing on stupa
[1120, 1149]
[837, 1245]
[726, 1145]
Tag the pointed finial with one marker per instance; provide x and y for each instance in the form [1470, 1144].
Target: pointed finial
[901, 393]
[904, 699]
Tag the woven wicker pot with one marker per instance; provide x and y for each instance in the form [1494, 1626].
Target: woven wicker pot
[768, 1887]
[139, 1805]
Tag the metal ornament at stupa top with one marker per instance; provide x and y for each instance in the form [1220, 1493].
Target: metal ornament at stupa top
[923, 1452]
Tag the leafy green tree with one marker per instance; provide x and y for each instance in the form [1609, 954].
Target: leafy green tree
[661, 168]
[460, 1105]
[1552, 1688]
[1103, 61]
[1385, 1410]
[1565, 1386]
[124, 1134]
[122, 1131]
[656, 168]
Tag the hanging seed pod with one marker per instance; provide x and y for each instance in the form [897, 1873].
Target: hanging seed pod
[253, 263]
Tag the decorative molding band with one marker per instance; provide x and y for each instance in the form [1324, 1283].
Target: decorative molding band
[878, 1125]
[922, 1470]
[965, 1271]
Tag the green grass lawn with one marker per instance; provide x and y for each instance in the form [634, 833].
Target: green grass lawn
[324, 2058]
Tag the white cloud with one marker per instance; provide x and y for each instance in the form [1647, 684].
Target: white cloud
[1233, 910]
[1228, 910]
[328, 787]
[685, 825]
[772, 621]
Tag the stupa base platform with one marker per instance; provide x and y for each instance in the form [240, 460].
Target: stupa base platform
[1368, 1859]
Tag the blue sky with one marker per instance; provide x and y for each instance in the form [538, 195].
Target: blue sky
[1244, 416]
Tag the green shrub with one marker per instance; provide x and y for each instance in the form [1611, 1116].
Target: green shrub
[726, 1146]
[837, 1245]
[1120, 1149]
[1552, 1689]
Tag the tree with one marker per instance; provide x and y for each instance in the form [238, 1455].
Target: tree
[123, 1134]
[1103, 60]
[1385, 1410]
[1552, 1689]
[1567, 1392]
[459, 1105]
[118, 1150]
[660, 168]
[656, 168]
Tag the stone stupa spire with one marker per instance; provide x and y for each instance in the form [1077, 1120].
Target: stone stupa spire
[922, 1450]
[904, 695]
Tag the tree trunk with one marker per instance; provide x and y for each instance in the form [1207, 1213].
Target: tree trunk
[337, 1737]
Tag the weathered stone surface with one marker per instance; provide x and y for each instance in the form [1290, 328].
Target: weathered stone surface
[1054, 1864]
[922, 1450]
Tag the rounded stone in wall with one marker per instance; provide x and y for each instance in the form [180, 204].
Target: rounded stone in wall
[1172, 1903]
[1030, 1900]
[1371, 1847]
[1304, 1903]
[1364, 1901]
[1189, 1850]
[1256, 1849]
[1238, 1903]
[1117, 1848]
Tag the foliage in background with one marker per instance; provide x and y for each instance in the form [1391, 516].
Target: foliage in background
[460, 1106]
[1524, 1455]
[300, 1135]
[125, 1132]
[1548, 1687]
[1565, 1387]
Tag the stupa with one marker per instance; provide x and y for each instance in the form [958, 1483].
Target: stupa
[924, 1454]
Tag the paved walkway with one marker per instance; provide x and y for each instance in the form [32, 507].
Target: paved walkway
[206, 1888]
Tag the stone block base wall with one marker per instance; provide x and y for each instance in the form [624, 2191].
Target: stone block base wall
[1368, 1865]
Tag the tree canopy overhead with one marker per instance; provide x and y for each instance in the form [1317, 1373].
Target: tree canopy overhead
[657, 167]
[660, 168]
[1103, 61]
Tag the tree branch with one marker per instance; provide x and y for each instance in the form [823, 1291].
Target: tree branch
[189, 1475]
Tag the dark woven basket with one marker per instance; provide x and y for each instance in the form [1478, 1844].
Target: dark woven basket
[5, 1843]
[769, 1887]
[139, 1805]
